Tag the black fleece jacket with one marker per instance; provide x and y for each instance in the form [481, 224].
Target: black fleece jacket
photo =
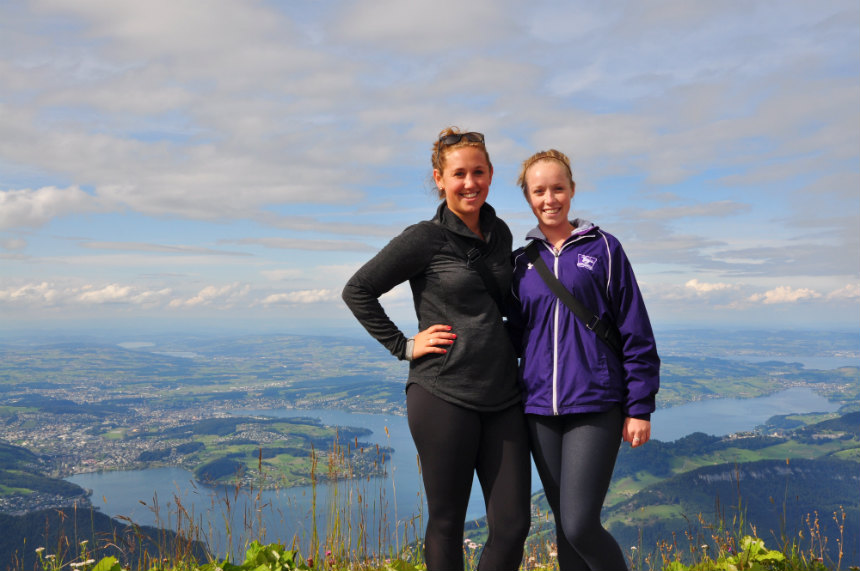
[479, 371]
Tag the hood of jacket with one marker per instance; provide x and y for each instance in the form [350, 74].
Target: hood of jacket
[580, 228]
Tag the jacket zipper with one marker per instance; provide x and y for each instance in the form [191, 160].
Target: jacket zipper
[555, 256]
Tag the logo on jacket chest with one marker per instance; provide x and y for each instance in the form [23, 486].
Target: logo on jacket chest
[586, 262]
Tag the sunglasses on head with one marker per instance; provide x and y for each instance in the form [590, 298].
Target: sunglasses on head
[472, 137]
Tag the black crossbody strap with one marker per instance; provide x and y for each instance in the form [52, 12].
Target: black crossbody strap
[475, 259]
[606, 332]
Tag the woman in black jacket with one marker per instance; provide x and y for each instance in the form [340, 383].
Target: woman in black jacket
[462, 396]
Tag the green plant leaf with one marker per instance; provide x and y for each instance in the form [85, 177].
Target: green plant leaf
[108, 564]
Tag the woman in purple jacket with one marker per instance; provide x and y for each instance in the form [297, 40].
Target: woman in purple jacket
[581, 397]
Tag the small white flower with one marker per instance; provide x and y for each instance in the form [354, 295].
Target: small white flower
[40, 549]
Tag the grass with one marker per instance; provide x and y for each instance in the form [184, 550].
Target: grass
[6, 490]
[853, 454]
[725, 548]
[115, 434]
[624, 488]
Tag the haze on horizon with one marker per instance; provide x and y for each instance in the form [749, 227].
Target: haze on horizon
[228, 164]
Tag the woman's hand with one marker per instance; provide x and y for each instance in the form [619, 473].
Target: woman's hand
[434, 339]
[636, 431]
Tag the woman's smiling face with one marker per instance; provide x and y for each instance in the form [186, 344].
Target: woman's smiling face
[466, 181]
[549, 193]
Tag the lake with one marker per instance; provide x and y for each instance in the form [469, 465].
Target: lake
[727, 416]
[280, 515]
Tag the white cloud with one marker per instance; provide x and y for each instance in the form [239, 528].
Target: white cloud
[28, 294]
[695, 296]
[784, 294]
[302, 297]
[849, 292]
[116, 293]
[741, 296]
[223, 297]
[109, 293]
[705, 288]
[163, 29]
[428, 27]
[70, 295]
[34, 208]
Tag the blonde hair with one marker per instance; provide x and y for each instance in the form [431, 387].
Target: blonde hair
[440, 151]
[550, 155]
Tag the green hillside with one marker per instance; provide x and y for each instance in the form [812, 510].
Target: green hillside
[22, 479]
[775, 496]
[66, 534]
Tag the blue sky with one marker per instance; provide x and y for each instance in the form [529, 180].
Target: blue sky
[226, 164]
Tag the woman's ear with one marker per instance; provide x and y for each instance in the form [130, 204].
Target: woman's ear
[437, 176]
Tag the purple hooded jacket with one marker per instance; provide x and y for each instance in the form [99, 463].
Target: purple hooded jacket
[565, 368]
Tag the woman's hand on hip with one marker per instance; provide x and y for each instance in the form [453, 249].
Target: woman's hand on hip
[434, 339]
[636, 431]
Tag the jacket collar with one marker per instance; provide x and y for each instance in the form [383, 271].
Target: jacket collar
[452, 222]
[581, 228]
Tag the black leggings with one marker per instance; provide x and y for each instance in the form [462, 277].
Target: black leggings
[453, 443]
[575, 455]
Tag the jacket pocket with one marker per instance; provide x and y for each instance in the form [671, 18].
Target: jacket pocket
[442, 363]
[601, 371]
